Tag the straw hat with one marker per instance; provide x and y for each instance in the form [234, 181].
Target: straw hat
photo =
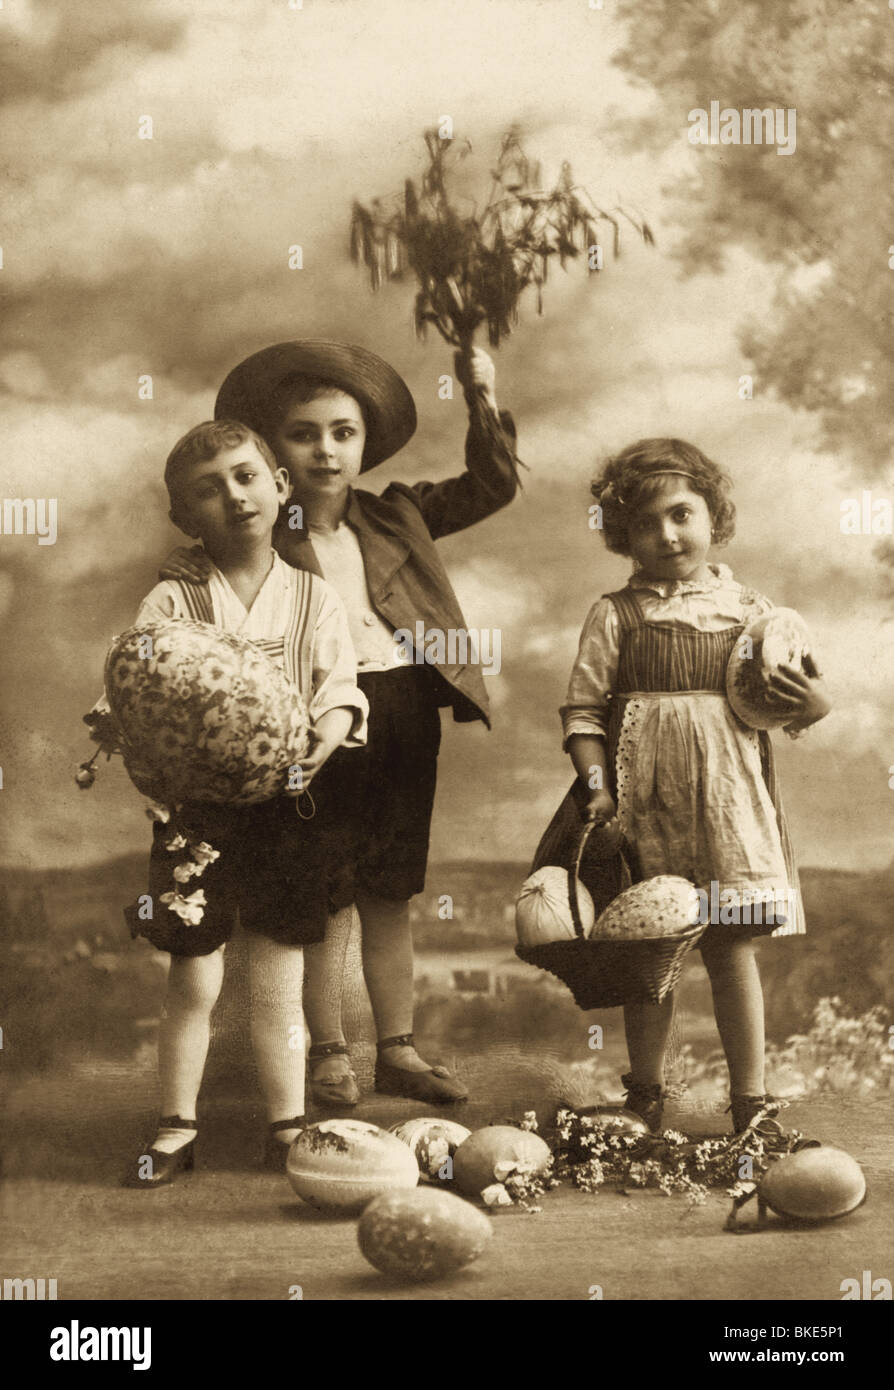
[389, 407]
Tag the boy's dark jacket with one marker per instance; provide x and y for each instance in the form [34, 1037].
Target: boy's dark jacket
[397, 531]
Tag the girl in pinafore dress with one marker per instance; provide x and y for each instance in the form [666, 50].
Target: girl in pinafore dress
[654, 741]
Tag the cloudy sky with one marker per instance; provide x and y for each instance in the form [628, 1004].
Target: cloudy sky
[169, 257]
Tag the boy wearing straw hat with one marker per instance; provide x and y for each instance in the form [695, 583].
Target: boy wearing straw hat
[329, 412]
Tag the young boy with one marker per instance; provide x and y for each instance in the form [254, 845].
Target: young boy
[226, 489]
[331, 411]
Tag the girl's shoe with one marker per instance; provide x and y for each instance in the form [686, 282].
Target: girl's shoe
[645, 1101]
[744, 1109]
[769, 1129]
[276, 1150]
[165, 1166]
[334, 1091]
[436, 1085]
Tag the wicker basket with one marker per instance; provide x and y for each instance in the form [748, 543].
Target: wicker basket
[604, 974]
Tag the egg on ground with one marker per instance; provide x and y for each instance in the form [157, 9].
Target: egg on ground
[422, 1235]
[431, 1140]
[343, 1164]
[493, 1154]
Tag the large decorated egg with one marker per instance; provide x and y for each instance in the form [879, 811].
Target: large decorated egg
[431, 1140]
[203, 714]
[493, 1154]
[778, 638]
[816, 1184]
[543, 909]
[662, 906]
[340, 1165]
[422, 1235]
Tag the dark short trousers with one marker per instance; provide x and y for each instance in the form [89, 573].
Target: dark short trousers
[374, 804]
[284, 875]
[259, 875]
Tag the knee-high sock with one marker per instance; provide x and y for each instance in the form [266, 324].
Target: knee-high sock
[324, 980]
[739, 1011]
[276, 979]
[193, 986]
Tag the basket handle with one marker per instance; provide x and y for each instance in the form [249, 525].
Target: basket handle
[574, 875]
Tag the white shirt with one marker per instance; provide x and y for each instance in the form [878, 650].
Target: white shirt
[341, 561]
[332, 661]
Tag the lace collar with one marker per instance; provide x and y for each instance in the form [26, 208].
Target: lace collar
[718, 577]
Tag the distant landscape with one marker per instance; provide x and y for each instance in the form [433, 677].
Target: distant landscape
[72, 980]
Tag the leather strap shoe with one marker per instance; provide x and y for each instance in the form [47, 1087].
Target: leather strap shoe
[436, 1085]
[334, 1091]
[164, 1166]
[275, 1150]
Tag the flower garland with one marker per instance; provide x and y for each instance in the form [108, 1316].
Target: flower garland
[190, 908]
[591, 1152]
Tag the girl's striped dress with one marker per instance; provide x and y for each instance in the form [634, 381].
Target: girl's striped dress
[696, 790]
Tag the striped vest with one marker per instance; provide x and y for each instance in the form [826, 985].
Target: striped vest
[293, 651]
[655, 656]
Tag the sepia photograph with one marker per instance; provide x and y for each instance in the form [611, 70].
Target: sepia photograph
[447, 583]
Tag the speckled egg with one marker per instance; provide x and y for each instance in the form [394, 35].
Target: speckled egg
[422, 1235]
[662, 906]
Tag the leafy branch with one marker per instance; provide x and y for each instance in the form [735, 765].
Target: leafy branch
[472, 268]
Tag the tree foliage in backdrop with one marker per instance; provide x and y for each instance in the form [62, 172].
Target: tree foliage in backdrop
[824, 215]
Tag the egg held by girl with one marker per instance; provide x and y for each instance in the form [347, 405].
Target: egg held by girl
[778, 638]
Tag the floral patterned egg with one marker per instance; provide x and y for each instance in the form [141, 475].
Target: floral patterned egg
[203, 714]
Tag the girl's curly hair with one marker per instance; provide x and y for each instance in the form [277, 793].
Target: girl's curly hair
[628, 480]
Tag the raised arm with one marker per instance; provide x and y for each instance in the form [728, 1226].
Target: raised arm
[490, 479]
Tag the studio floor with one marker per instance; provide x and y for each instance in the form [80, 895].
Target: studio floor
[232, 1231]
